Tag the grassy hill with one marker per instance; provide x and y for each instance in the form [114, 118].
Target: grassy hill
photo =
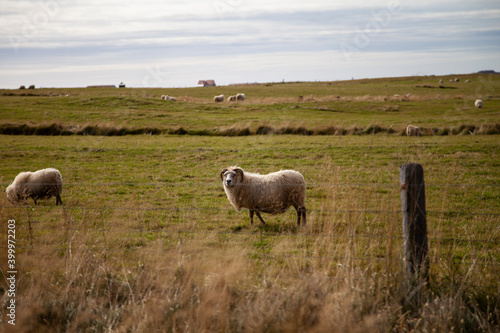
[147, 240]
[344, 107]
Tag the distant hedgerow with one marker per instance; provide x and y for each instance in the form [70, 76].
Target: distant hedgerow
[55, 129]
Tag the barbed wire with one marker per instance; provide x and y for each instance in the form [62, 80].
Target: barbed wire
[36, 225]
[213, 209]
[219, 184]
[311, 255]
[261, 233]
[342, 263]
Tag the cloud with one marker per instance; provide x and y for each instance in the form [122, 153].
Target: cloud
[274, 40]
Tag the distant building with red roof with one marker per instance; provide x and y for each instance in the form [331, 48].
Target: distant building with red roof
[207, 83]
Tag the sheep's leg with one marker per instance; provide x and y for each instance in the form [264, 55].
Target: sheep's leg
[251, 216]
[301, 212]
[58, 200]
[260, 217]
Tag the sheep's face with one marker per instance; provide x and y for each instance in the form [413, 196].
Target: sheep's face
[12, 194]
[231, 177]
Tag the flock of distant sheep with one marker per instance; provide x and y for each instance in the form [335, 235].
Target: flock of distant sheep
[237, 97]
[454, 80]
[217, 99]
[168, 98]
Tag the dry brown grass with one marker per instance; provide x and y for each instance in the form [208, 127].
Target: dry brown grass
[343, 98]
[99, 271]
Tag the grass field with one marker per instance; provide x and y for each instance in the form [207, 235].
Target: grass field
[348, 105]
[147, 240]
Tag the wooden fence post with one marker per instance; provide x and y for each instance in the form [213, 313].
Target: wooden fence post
[414, 220]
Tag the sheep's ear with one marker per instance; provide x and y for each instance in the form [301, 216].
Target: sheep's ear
[240, 172]
[222, 174]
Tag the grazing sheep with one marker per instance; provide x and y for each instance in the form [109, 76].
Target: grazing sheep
[40, 184]
[467, 81]
[219, 98]
[457, 79]
[478, 103]
[413, 131]
[441, 81]
[240, 97]
[22, 87]
[273, 193]
[231, 99]
[168, 98]
[31, 86]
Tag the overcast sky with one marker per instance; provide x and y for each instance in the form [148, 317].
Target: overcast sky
[163, 43]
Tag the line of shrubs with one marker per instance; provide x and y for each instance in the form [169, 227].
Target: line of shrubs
[100, 130]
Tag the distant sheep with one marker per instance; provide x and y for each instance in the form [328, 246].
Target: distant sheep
[31, 86]
[168, 98]
[478, 103]
[240, 97]
[219, 98]
[467, 81]
[41, 184]
[273, 193]
[412, 130]
[441, 81]
[231, 99]
[22, 87]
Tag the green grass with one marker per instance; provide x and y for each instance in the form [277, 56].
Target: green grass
[343, 104]
[147, 239]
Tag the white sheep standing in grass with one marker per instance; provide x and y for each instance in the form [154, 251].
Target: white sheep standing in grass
[219, 98]
[478, 103]
[231, 98]
[240, 97]
[41, 184]
[273, 193]
[412, 130]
